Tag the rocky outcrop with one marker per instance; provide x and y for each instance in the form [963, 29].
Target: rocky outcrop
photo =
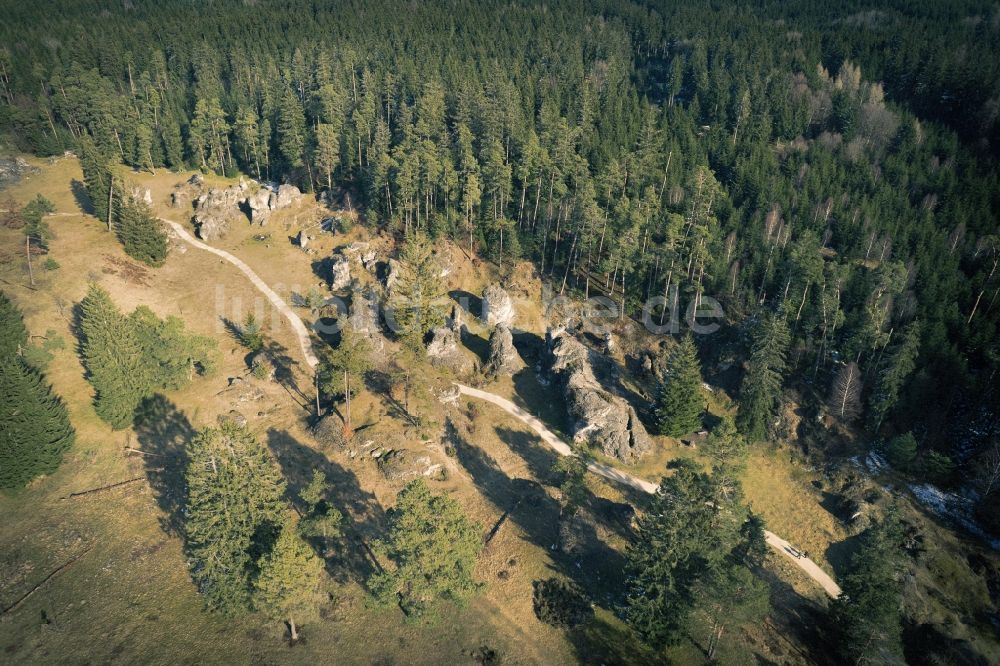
[216, 210]
[142, 194]
[392, 275]
[284, 197]
[13, 169]
[400, 465]
[444, 349]
[261, 366]
[364, 319]
[257, 203]
[329, 432]
[596, 416]
[498, 308]
[340, 273]
[504, 359]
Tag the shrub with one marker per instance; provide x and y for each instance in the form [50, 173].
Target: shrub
[560, 603]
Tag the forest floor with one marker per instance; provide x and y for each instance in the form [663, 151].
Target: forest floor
[127, 596]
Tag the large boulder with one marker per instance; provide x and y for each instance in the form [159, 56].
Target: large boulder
[216, 210]
[284, 197]
[498, 308]
[445, 350]
[258, 205]
[596, 416]
[392, 275]
[504, 359]
[364, 318]
[340, 273]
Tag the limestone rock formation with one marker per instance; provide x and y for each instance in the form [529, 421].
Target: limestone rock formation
[364, 318]
[391, 275]
[504, 359]
[284, 197]
[596, 416]
[216, 210]
[444, 349]
[497, 306]
[258, 205]
[340, 273]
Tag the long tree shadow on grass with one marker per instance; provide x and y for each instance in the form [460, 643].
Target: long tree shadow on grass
[364, 517]
[594, 565]
[163, 432]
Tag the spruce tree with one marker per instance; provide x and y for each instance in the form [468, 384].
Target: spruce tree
[34, 426]
[13, 333]
[140, 232]
[97, 176]
[760, 393]
[234, 511]
[114, 358]
[866, 618]
[288, 586]
[691, 560]
[172, 356]
[434, 548]
[418, 301]
[680, 405]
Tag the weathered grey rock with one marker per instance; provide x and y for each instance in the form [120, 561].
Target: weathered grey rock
[12, 170]
[595, 416]
[257, 203]
[234, 417]
[369, 260]
[196, 180]
[400, 465]
[179, 199]
[216, 210]
[340, 273]
[392, 275]
[504, 359]
[302, 239]
[261, 366]
[143, 195]
[444, 343]
[364, 319]
[284, 197]
[444, 350]
[497, 306]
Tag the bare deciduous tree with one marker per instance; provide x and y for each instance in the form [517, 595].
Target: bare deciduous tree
[845, 395]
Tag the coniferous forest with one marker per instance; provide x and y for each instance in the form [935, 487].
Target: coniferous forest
[826, 174]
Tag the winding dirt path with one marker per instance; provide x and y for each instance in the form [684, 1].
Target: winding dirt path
[305, 342]
[300, 329]
[811, 568]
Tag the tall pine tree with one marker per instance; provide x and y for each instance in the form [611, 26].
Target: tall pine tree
[140, 232]
[34, 427]
[114, 358]
[13, 333]
[288, 587]
[680, 404]
[234, 512]
[760, 393]
[434, 548]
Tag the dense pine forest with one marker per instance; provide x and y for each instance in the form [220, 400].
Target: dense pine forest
[821, 178]
[835, 166]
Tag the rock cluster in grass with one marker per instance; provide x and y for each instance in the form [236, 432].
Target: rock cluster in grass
[596, 417]
[217, 208]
